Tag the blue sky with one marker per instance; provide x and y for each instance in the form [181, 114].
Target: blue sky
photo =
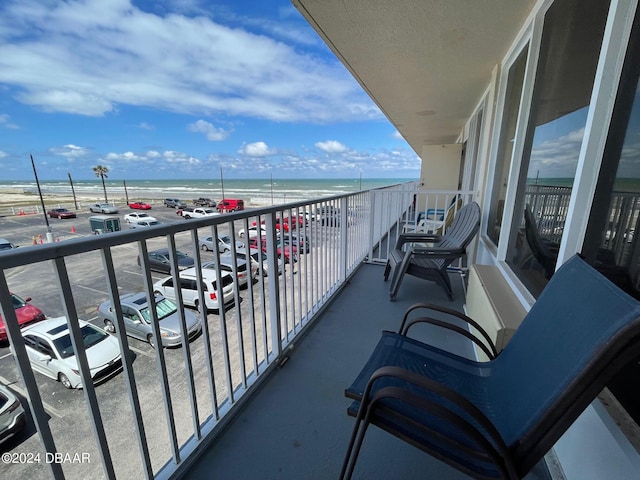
[178, 89]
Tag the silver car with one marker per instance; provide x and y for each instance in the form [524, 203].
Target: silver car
[103, 208]
[51, 352]
[137, 319]
[12, 416]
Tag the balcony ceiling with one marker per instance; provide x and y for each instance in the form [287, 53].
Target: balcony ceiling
[426, 63]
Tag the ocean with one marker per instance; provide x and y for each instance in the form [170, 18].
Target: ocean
[256, 192]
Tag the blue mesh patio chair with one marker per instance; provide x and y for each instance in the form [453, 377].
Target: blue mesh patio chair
[497, 419]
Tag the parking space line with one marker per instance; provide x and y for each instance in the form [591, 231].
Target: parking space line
[141, 352]
[48, 408]
[6, 355]
[101, 292]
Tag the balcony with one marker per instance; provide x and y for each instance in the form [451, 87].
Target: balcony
[260, 393]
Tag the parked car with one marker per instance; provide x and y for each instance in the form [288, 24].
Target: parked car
[224, 243]
[256, 256]
[253, 231]
[138, 217]
[25, 313]
[51, 353]
[159, 260]
[12, 417]
[189, 289]
[226, 264]
[230, 205]
[136, 314]
[144, 223]
[6, 245]
[299, 241]
[197, 212]
[61, 213]
[204, 202]
[140, 205]
[174, 203]
[103, 208]
[289, 251]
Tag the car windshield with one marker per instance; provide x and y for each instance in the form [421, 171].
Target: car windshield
[225, 239]
[90, 337]
[164, 308]
[17, 301]
[180, 255]
[140, 215]
[5, 246]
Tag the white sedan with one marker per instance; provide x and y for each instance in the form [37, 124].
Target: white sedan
[137, 217]
[51, 353]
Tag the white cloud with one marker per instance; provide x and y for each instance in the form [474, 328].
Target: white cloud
[331, 146]
[256, 149]
[88, 56]
[70, 151]
[6, 122]
[146, 126]
[3, 154]
[397, 135]
[212, 133]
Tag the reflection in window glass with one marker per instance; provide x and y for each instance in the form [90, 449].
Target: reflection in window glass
[505, 145]
[611, 242]
[569, 52]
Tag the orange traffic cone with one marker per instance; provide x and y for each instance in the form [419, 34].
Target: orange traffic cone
[73, 229]
[34, 241]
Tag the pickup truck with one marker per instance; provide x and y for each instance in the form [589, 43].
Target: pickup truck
[196, 212]
[204, 202]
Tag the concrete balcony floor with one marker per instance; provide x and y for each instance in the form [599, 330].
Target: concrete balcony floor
[296, 426]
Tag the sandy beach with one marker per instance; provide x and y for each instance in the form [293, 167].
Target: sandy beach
[17, 201]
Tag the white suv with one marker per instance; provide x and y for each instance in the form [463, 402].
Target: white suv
[189, 288]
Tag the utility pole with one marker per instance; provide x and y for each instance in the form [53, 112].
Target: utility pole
[75, 202]
[44, 210]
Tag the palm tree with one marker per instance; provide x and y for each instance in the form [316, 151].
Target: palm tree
[101, 171]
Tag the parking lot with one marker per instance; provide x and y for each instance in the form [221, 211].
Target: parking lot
[67, 410]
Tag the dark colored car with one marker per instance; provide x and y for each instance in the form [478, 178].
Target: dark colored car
[174, 203]
[159, 260]
[25, 313]
[61, 213]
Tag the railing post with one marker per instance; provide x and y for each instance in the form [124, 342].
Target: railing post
[344, 236]
[274, 284]
[372, 221]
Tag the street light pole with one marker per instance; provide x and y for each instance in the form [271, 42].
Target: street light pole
[44, 210]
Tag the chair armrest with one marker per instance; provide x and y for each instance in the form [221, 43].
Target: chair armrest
[487, 437]
[416, 238]
[485, 343]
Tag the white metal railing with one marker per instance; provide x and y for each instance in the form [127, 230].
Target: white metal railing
[406, 208]
[238, 345]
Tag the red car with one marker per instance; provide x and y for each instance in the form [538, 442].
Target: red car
[61, 213]
[288, 250]
[140, 205]
[25, 312]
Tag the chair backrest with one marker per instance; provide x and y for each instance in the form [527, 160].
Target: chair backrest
[580, 332]
[537, 246]
[447, 220]
[463, 228]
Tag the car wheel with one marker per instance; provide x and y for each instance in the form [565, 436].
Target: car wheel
[64, 380]
[205, 248]
[150, 340]
[109, 327]
[187, 217]
[127, 220]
